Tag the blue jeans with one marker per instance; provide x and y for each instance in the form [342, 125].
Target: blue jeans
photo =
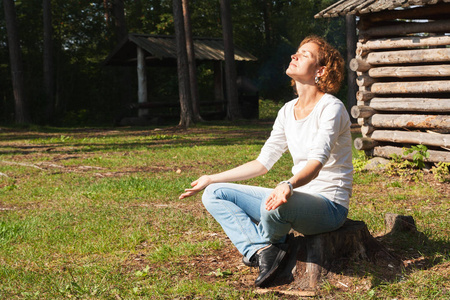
[240, 210]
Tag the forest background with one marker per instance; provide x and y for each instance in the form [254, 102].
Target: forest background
[88, 93]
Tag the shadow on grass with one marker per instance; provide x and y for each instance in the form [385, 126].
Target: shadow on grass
[351, 251]
[413, 249]
[89, 140]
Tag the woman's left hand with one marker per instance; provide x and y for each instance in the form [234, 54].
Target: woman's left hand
[278, 196]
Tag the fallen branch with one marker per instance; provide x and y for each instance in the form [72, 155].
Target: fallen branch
[20, 164]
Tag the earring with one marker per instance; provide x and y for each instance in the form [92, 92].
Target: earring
[316, 79]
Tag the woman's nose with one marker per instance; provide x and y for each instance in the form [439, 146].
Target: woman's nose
[294, 56]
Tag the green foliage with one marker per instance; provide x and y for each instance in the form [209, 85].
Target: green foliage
[441, 171]
[420, 155]
[410, 170]
[268, 109]
[143, 273]
[359, 161]
[220, 273]
[89, 93]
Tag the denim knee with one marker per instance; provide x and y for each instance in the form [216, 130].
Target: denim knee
[270, 215]
[208, 195]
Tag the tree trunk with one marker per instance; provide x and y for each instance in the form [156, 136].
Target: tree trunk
[310, 258]
[121, 32]
[267, 17]
[107, 13]
[186, 117]
[49, 72]
[15, 55]
[351, 49]
[191, 62]
[119, 20]
[233, 111]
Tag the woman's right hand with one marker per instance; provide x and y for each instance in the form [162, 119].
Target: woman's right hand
[197, 186]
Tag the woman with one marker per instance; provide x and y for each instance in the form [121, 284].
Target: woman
[315, 128]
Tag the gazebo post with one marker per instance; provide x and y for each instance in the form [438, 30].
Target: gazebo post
[142, 80]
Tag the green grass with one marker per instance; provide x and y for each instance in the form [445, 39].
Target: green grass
[94, 214]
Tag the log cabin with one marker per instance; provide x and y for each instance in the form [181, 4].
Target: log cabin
[402, 66]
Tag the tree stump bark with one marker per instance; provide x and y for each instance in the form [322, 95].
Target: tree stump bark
[395, 223]
[310, 258]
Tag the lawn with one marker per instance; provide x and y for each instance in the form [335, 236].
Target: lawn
[93, 213]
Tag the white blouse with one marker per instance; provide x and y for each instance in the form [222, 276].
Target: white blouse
[324, 135]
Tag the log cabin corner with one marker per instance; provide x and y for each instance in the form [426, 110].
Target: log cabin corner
[402, 65]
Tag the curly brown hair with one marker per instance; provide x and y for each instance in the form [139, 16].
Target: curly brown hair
[331, 59]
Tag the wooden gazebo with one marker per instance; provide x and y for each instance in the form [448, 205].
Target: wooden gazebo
[402, 64]
[147, 50]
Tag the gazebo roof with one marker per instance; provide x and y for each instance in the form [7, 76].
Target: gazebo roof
[161, 50]
[359, 7]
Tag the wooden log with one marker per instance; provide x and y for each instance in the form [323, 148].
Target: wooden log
[408, 56]
[367, 129]
[402, 42]
[410, 104]
[311, 258]
[362, 112]
[364, 143]
[422, 12]
[410, 71]
[364, 95]
[409, 121]
[404, 28]
[365, 80]
[416, 87]
[412, 137]
[359, 64]
[386, 151]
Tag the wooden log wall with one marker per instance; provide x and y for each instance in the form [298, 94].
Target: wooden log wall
[403, 73]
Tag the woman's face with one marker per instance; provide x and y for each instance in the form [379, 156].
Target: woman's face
[304, 64]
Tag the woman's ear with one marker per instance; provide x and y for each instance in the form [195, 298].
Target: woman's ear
[321, 71]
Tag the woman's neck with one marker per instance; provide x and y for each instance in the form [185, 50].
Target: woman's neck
[308, 96]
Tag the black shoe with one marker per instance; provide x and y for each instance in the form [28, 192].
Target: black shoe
[252, 262]
[269, 260]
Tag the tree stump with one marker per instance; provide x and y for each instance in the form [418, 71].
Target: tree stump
[395, 223]
[309, 258]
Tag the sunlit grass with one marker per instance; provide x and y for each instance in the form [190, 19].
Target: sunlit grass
[84, 214]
